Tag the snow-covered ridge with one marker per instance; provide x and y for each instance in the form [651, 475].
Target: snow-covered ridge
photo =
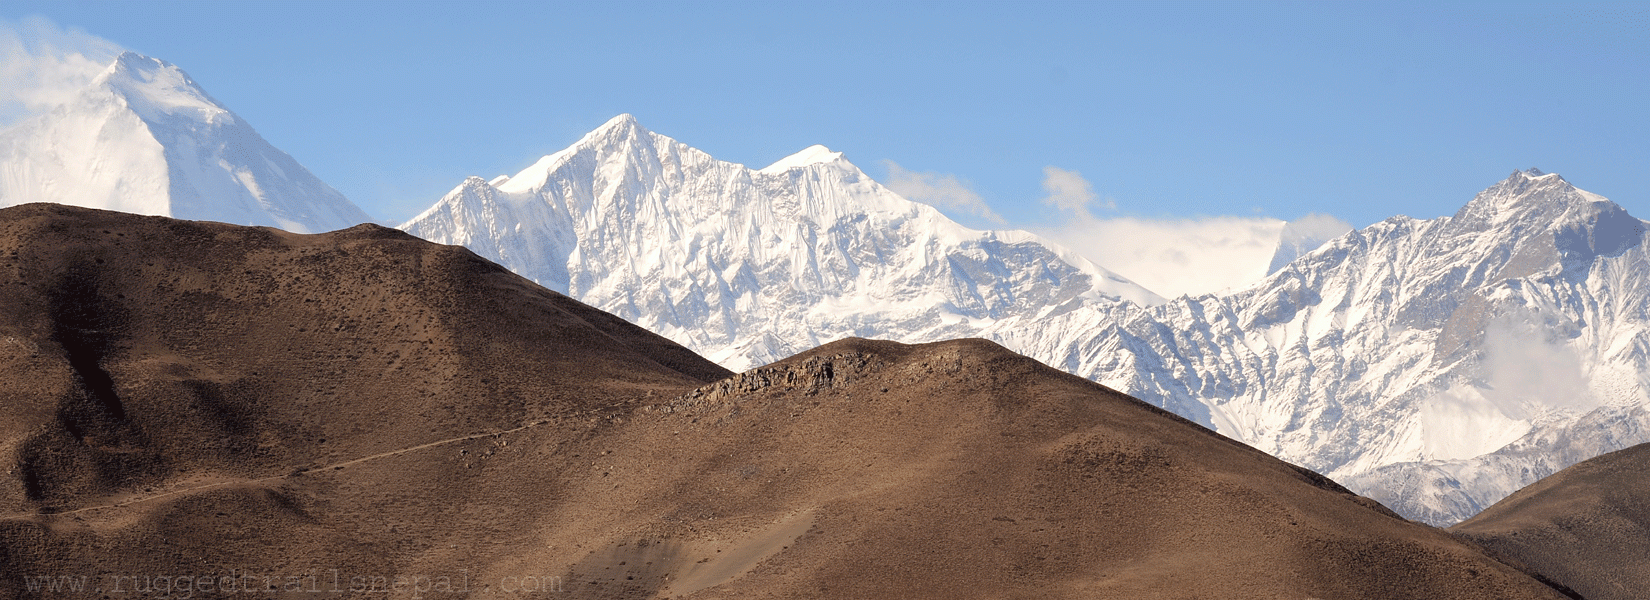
[748, 266]
[812, 155]
[144, 138]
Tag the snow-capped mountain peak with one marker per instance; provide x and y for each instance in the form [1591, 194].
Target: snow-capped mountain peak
[1524, 196]
[1532, 221]
[155, 89]
[144, 138]
[811, 155]
[1304, 235]
[618, 136]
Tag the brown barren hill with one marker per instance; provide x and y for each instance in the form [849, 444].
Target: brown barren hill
[202, 410]
[1586, 527]
[144, 357]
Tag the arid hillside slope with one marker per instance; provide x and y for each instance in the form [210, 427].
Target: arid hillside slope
[1586, 527]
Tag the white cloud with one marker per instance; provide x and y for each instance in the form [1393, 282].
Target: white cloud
[43, 65]
[938, 190]
[1530, 370]
[1175, 257]
[1316, 226]
[1172, 257]
[1068, 191]
[1528, 374]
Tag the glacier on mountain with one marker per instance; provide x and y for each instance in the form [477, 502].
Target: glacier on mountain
[1426, 363]
[144, 138]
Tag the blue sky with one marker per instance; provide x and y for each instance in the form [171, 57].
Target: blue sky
[1168, 111]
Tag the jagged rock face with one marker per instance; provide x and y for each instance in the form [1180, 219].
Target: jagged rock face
[144, 138]
[1434, 365]
[809, 377]
[749, 266]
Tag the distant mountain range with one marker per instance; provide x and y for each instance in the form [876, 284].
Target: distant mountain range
[1433, 365]
[748, 266]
